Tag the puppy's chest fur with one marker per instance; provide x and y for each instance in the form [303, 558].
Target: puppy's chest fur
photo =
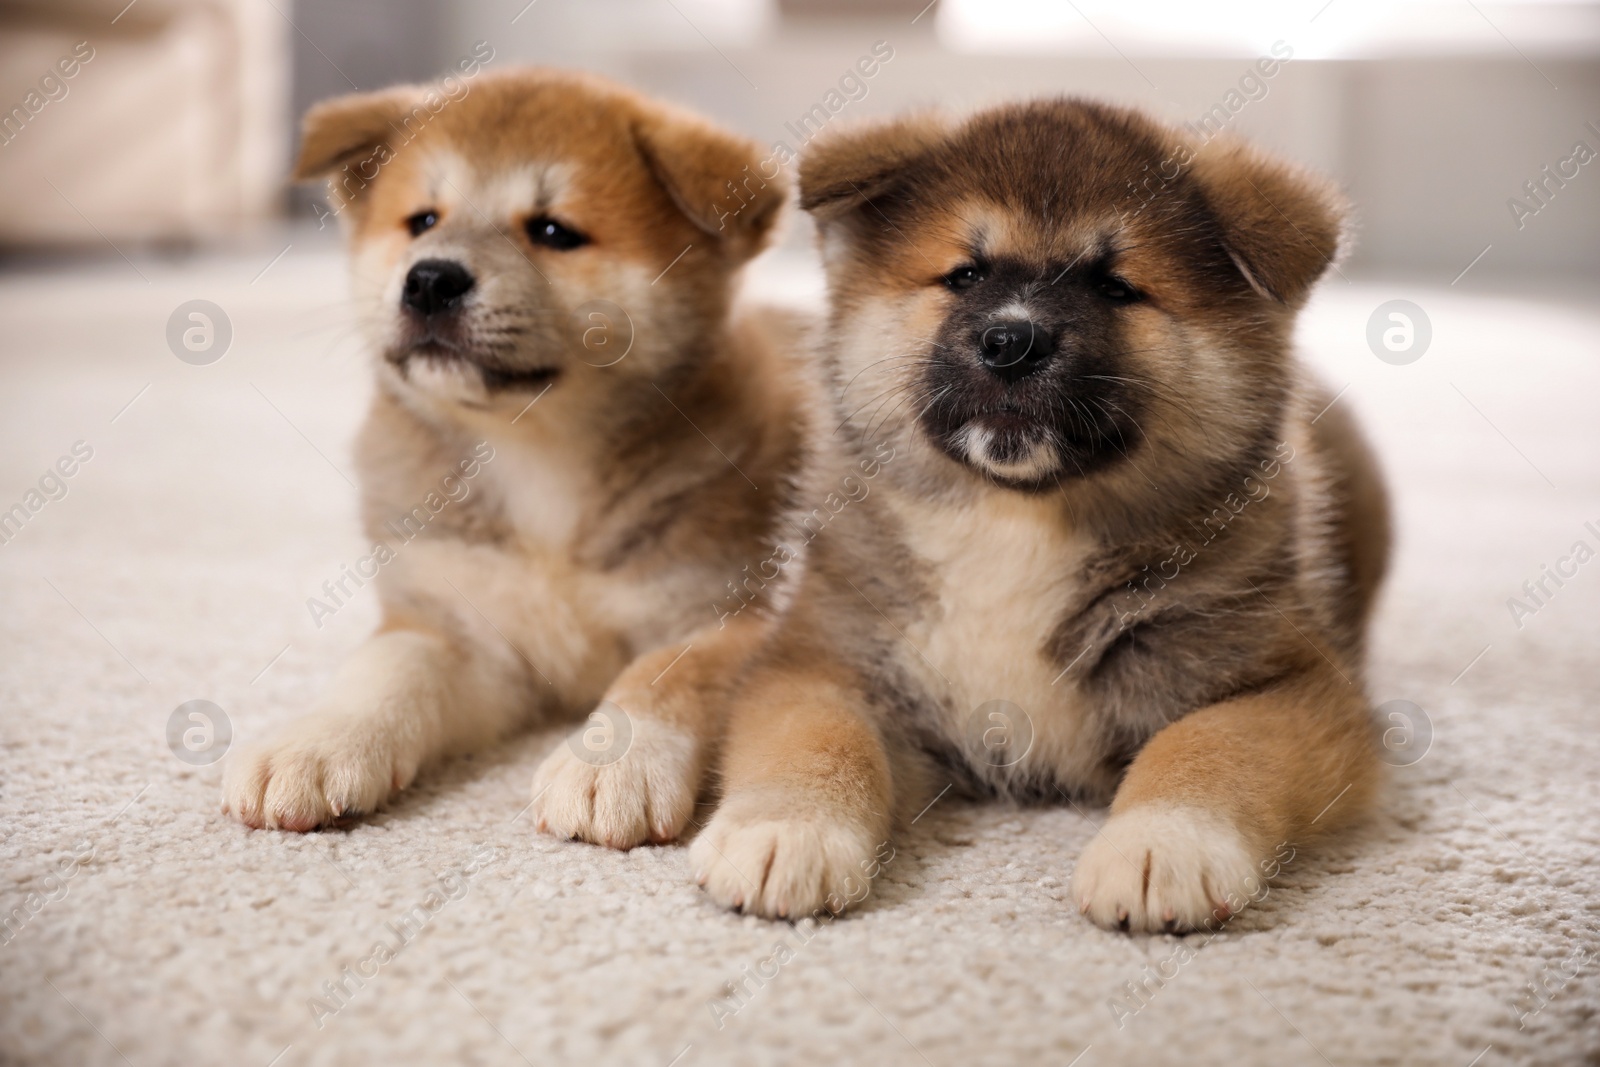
[611, 556]
[998, 579]
[542, 568]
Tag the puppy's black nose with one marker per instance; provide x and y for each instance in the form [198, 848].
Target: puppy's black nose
[1013, 350]
[435, 285]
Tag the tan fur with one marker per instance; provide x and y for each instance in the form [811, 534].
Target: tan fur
[808, 792]
[1154, 550]
[601, 501]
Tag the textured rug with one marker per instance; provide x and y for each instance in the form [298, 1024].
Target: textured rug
[142, 927]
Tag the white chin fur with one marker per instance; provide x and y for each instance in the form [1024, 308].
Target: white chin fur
[1039, 461]
[446, 379]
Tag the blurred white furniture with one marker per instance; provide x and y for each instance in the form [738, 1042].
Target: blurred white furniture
[177, 127]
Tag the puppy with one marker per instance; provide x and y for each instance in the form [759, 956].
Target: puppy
[572, 444]
[1124, 545]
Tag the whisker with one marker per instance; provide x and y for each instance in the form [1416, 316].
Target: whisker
[884, 424]
[857, 411]
[1122, 442]
[898, 396]
[914, 356]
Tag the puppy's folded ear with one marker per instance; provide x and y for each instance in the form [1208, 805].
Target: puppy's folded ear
[846, 170]
[348, 128]
[721, 182]
[1282, 226]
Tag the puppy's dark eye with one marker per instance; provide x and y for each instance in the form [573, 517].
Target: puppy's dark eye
[422, 221]
[964, 277]
[551, 234]
[1116, 290]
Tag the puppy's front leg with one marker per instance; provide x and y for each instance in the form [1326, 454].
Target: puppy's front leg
[807, 794]
[624, 779]
[1214, 803]
[404, 699]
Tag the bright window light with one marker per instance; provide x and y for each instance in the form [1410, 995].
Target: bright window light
[1315, 29]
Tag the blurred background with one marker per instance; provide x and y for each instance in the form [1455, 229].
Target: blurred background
[1434, 114]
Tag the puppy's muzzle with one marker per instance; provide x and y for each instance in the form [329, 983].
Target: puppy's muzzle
[1014, 349]
[435, 286]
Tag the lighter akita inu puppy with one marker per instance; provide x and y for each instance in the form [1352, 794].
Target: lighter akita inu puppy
[576, 442]
[1125, 545]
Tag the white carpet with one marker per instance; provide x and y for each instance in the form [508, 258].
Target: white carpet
[178, 565]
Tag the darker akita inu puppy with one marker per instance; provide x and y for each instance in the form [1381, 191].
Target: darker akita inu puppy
[1125, 546]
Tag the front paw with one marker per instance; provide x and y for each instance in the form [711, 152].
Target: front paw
[783, 857]
[601, 788]
[1165, 868]
[316, 771]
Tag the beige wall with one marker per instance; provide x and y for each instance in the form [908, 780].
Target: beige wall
[1429, 147]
